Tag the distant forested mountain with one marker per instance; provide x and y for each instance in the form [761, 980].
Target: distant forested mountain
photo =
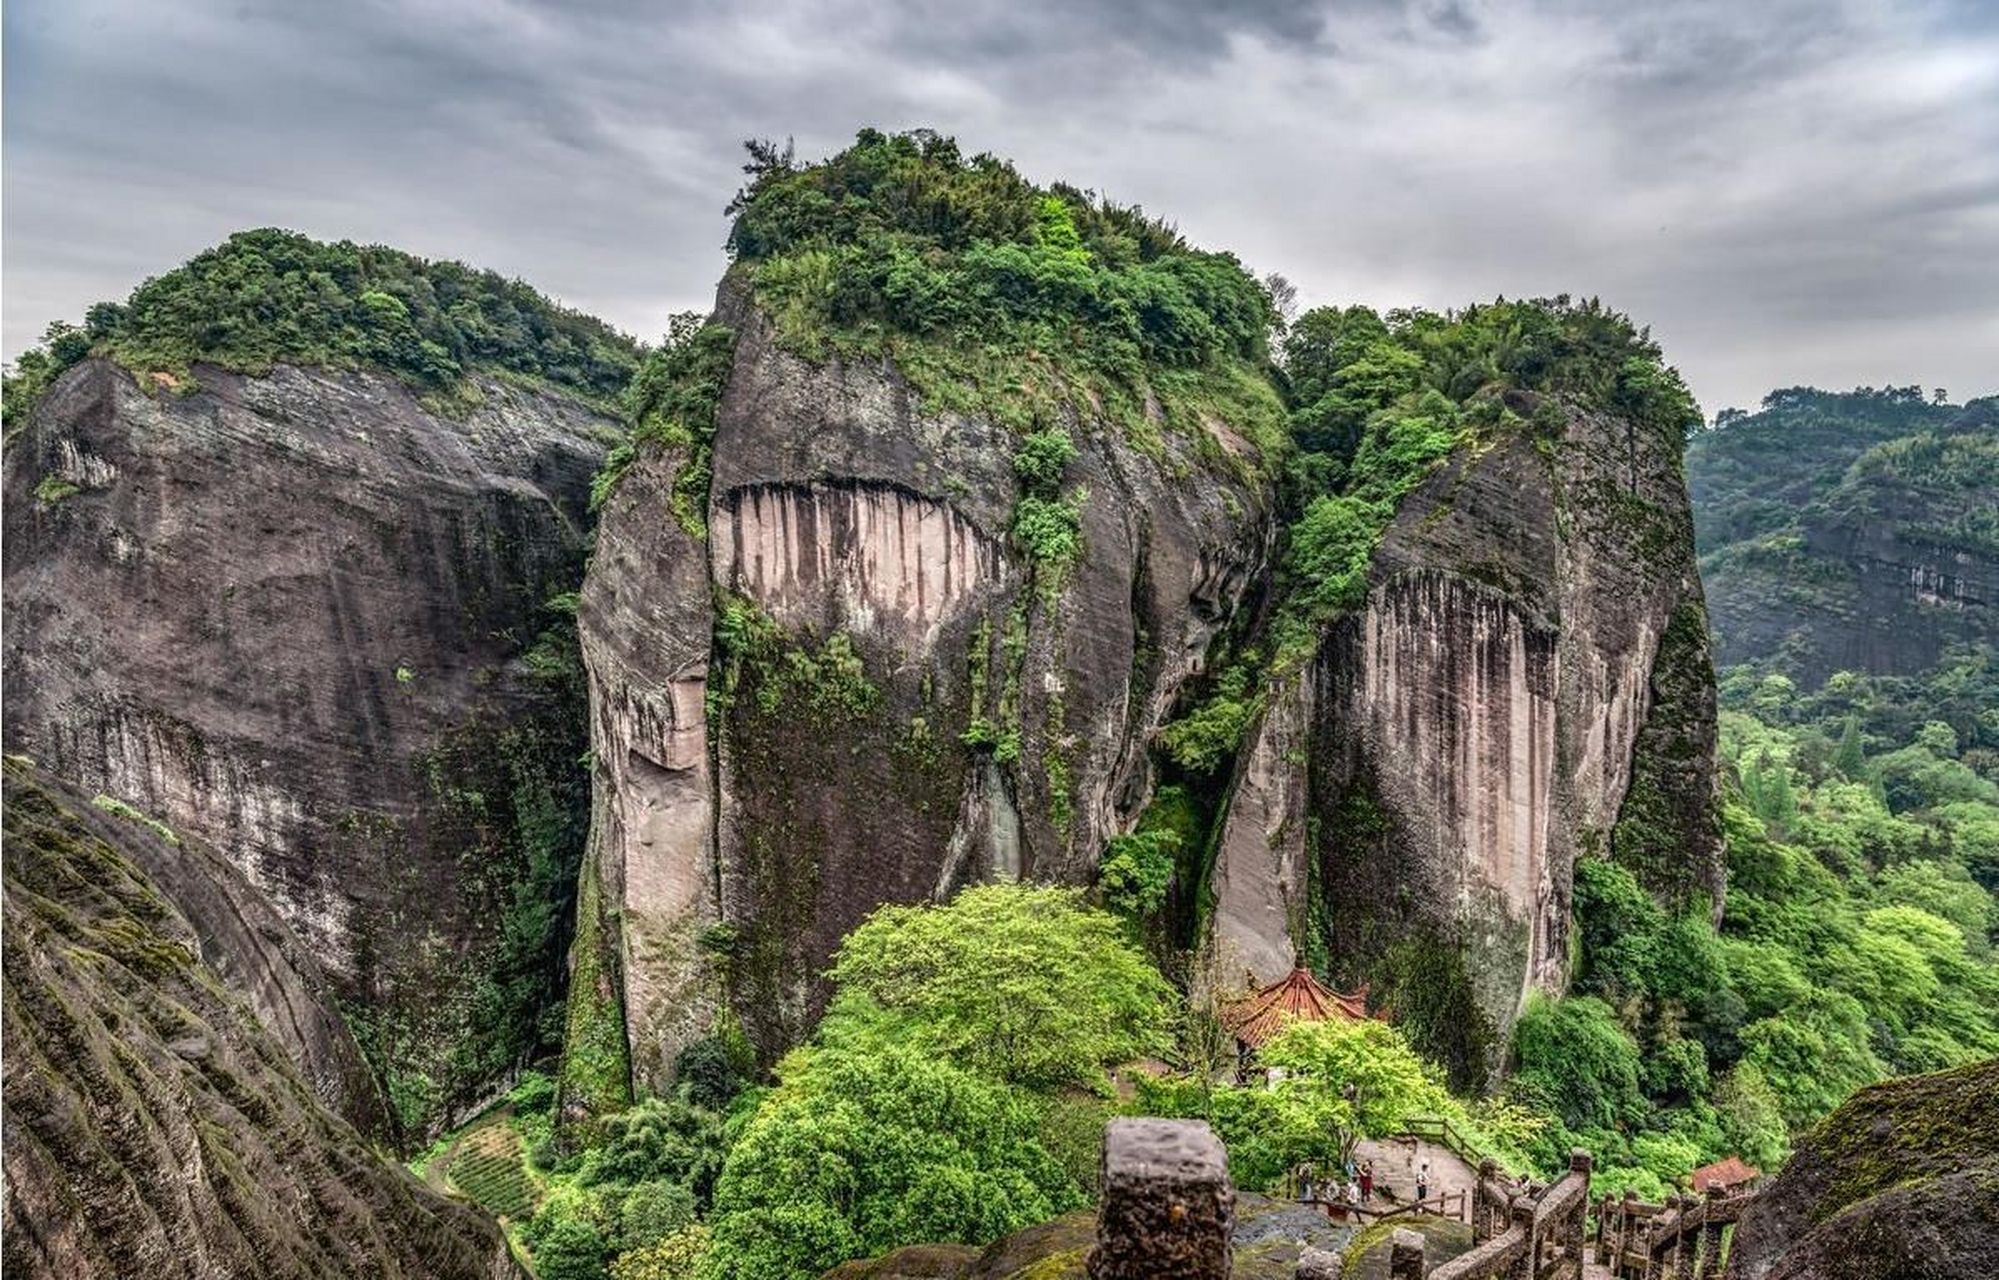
[1848, 530]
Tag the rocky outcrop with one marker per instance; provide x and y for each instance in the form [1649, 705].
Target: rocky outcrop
[156, 1123]
[289, 615]
[1901, 1180]
[1531, 645]
[904, 700]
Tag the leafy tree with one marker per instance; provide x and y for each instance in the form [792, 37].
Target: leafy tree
[861, 1151]
[676, 1257]
[1574, 1056]
[1020, 983]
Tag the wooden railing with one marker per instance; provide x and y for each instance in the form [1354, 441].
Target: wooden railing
[1440, 1130]
[1683, 1239]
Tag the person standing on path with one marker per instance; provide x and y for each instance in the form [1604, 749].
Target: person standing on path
[1367, 1182]
[1423, 1180]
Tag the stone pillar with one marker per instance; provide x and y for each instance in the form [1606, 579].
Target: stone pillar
[1484, 1213]
[1575, 1243]
[1405, 1255]
[1709, 1261]
[1627, 1222]
[1318, 1264]
[1522, 1215]
[1167, 1208]
[1679, 1206]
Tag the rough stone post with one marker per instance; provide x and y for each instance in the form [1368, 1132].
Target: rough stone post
[1709, 1262]
[1575, 1237]
[1167, 1208]
[1484, 1213]
[1627, 1226]
[1522, 1214]
[1680, 1205]
[1405, 1255]
[1318, 1264]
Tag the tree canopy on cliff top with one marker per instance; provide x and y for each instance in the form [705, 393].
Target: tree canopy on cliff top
[994, 295]
[268, 296]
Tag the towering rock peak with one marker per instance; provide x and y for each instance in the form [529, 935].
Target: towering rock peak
[312, 616]
[889, 610]
[156, 1122]
[1520, 679]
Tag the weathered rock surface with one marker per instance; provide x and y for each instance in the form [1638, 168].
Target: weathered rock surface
[869, 543]
[155, 1125]
[1902, 1180]
[1531, 645]
[286, 614]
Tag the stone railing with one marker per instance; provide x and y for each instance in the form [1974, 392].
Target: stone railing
[1682, 1239]
[1521, 1234]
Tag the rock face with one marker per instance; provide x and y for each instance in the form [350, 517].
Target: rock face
[1849, 532]
[904, 701]
[156, 1123]
[1528, 684]
[287, 614]
[1902, 1180]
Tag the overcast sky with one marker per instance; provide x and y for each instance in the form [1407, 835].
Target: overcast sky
[1786, 192]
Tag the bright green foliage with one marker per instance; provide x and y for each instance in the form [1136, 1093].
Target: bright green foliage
[267, 297]
[1342, 1081]
[1378, 403]
[672, 1258]
[671, 404]
[997, 297]
[571, 1249]
[52, 489]
[1019, 983]
[1856, 942]
[860, 1151]
[1137, 871]
[1205, 739]
[1573, 1056]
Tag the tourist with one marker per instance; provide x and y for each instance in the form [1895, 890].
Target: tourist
[1423, 1181]
[1367, 1182]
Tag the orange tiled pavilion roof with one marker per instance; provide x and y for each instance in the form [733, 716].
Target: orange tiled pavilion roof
[1729, 1172]
[1297, 996]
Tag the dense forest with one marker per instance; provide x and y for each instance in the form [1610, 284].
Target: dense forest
[268, 297]
[1818, 514]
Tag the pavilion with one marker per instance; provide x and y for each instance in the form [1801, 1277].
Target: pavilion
[1296, 997]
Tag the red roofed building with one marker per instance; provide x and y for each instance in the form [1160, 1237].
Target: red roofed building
[1730, 1174]
[1296, 997]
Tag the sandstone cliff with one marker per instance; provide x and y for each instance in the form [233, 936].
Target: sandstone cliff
[904, 700]
[1527, 683]
[294, 615]
[1902, 1180]
[157, 1123]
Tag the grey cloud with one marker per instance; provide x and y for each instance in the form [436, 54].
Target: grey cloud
[1786, 191]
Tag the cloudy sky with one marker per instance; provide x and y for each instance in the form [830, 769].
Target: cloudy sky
[1786, 192]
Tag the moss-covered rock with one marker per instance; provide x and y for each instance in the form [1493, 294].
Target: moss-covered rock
[155, 1126]
[1900, 1183]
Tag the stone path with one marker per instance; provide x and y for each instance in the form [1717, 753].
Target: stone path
[1395, 1163]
